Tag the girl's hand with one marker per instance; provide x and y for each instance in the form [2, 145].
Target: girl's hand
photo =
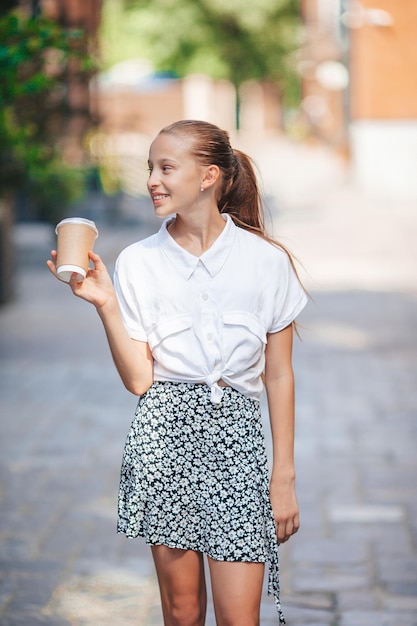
[285, 508]
[97, 286]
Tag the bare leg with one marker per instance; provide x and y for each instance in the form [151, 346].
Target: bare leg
[237, 592]
[182, 586]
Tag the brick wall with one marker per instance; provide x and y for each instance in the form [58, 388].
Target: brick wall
[383, 63]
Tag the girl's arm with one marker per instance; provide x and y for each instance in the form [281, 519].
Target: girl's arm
[133, 359]
[279, 383]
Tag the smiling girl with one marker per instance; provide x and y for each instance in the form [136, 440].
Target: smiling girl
[199, 320]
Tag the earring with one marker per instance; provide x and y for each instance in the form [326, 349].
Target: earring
[201, 188]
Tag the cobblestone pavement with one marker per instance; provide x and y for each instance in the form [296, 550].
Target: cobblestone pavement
[65, 414]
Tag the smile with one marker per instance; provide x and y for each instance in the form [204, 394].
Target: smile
[159, 196]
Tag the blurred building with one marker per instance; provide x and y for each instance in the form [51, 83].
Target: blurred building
[359, 69]
[131, 97]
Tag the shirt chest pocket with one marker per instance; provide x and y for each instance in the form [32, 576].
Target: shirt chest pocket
[171, 337]
[244, 337]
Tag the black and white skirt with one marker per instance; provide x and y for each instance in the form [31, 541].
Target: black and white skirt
[194, 476]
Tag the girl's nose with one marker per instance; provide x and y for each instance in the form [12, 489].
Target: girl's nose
[152, 180]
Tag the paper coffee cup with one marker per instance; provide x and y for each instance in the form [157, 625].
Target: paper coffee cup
[76, 237]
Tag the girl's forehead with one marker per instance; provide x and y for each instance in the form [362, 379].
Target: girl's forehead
[170, 146]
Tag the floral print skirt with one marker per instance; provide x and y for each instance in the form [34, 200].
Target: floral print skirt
[194, 476]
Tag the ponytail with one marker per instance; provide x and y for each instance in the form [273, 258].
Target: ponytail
[241, 198]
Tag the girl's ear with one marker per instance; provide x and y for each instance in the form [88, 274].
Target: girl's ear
[211, 176]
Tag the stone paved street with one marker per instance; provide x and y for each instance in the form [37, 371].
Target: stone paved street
[65, 415]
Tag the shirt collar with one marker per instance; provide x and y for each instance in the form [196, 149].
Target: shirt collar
[213, 259]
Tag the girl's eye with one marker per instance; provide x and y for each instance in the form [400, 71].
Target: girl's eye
[164, 168]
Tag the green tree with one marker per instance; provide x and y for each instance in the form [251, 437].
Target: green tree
[34, 58]
[237, 40]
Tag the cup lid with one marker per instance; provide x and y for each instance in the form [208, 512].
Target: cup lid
[77, 220]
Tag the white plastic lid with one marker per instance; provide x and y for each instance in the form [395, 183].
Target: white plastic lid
[77, 220]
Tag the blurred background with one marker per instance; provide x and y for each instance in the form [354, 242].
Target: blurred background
[323, 95]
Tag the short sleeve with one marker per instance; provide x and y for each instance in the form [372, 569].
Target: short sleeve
[289, 298]
[127, 297]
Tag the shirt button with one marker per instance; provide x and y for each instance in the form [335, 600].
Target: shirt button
[205, 296]
[209, 336]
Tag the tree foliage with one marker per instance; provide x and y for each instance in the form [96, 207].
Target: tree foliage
[34, 57]
[236, 40]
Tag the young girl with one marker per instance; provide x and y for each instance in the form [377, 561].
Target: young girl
[199, 319]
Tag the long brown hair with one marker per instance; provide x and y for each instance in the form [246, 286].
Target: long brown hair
[239, 193]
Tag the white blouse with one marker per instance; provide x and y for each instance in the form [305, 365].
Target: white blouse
[207, 318]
